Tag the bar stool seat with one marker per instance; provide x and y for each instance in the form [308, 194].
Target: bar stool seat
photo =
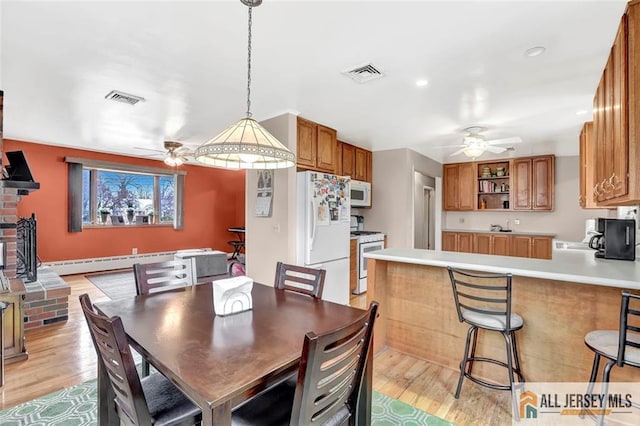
[607, 344]
[483, 301]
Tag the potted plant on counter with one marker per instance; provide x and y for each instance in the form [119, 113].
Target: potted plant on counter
[104, 214]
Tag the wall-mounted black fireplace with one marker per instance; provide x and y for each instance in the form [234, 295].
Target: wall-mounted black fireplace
[26, 247]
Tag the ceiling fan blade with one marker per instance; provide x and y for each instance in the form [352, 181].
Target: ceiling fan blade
[458, 152]
[447, 146]
[511, 140]
[496, 149]
[149, 149]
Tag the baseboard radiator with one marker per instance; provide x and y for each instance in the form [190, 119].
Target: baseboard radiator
[98, 264]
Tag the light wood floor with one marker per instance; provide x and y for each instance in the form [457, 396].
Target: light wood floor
[62, 355]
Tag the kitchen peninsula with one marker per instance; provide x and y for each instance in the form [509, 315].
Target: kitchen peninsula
[560, 300]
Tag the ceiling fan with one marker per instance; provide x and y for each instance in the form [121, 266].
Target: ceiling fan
[474, 144]
[175, 153]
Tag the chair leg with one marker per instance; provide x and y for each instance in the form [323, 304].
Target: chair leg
[605, 389]
[145, 368]
[516, 357]
[463, 363]
[510, 356]
[473, 350]
[592, 379]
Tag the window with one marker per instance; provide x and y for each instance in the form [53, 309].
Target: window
[99, 190]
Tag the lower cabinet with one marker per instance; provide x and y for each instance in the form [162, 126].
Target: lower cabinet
[353, 265]
[458, 241]
[534, 246]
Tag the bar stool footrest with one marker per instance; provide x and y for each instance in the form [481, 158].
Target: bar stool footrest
[488, 384]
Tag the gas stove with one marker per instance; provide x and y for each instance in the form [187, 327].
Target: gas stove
[368, 236]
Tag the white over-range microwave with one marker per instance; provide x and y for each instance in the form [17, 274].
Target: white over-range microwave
[360, 194]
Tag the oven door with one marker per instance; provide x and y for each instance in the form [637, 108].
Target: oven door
[366, 248]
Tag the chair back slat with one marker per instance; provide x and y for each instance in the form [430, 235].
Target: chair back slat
[162, 276]
[309, 281]
[487, 294]
[331, 371]
[629, 332]
[110, 342]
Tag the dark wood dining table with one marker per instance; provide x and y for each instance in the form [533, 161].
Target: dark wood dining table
[219, 361]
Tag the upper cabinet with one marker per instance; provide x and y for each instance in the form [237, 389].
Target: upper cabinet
[459, 184]
[587, 157]
[615, 168]
[317, 147]
[516, 184]
[355, 162]
[533, 182]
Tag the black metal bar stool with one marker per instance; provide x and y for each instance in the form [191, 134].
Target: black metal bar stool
[620, 347]
[238, 244]
[484, 302]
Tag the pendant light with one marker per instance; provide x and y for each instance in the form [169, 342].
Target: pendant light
[246, 144]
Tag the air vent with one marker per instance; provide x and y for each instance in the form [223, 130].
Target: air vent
[125, 98]
[364, 73]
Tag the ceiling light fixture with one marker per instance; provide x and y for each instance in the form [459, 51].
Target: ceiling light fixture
[173, 160]
[582, 112]
[246, 144]
[422, 83]
[534, 51]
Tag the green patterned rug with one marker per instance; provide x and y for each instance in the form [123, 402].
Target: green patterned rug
[76, 406]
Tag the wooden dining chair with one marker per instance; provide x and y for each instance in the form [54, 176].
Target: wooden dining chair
[328, 386]
[309, 281]
[163, 276]
[154, 400]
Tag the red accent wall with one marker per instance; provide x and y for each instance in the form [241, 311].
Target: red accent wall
[214, 200]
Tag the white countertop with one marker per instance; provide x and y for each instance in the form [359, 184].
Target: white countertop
[512, 232]
[578, 266]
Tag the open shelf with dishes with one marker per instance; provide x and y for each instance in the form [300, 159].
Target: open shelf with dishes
[493, 185]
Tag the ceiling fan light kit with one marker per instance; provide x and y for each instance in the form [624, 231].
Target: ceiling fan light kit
[246, 144]
[474, 144]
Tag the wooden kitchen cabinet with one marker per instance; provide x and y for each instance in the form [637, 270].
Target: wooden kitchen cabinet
[317, 147]
[534, 246]
[497, 244]
[616, 119]
[533, 183]
[459, 186]
[355, 162]
[353, 265]
[587, 158]
[458, 241]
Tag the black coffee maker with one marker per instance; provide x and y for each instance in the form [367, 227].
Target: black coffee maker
[615, 239]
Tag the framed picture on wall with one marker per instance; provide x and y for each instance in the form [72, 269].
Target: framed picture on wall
[265, 180]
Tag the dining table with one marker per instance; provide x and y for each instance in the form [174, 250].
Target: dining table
[221, 361]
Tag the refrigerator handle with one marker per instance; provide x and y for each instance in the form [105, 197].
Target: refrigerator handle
[313, 225]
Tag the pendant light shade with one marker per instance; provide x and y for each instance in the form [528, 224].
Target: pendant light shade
[246, 144]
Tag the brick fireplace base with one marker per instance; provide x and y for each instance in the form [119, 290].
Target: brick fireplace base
[46, 300]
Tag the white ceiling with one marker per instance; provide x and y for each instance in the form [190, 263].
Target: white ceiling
[188, 60]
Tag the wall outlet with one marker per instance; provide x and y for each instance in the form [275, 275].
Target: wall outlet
[516, 221]
[461, 220]
[134, 251]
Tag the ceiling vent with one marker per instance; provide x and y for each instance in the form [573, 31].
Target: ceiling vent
[364, 73]
[125, 98]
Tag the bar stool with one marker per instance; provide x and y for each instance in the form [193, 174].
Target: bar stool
[621, 347]
[484, 302]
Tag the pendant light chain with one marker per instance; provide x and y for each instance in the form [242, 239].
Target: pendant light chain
[249, 67]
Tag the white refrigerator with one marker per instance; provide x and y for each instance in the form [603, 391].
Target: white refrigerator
[322, 230]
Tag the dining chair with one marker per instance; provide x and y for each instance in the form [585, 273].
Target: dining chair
[163, 276]
[309, 281]
[621, 347]
[152, 400]
[328, 386]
